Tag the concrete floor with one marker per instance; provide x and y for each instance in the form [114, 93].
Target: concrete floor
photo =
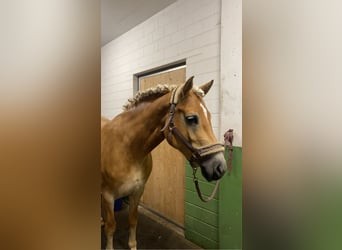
[151, 234]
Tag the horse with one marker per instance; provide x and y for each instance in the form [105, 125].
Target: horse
[177, 114]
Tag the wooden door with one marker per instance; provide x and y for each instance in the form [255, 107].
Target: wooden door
[164, 190]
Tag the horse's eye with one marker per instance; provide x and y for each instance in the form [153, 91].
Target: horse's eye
[192, 119]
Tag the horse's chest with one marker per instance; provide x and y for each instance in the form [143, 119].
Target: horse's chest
[132, 184]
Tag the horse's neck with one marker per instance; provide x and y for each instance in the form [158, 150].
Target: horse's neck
[148, 120]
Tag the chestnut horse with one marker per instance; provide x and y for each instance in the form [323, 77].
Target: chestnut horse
[178, 114]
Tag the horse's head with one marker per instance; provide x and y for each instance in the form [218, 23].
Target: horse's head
[188, 128]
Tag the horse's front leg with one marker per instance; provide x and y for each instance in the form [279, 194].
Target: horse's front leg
[133, 217]
[110, 224]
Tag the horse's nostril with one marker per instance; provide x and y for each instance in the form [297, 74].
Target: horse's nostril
[220, 170]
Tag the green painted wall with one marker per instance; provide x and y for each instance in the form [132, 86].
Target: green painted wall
[218, 223]
[201, 219]
[230, 205]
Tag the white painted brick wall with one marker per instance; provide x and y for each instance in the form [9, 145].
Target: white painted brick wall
[231, 69]
[188, 29]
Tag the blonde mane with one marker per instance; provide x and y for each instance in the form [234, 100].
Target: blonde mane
[153, 93]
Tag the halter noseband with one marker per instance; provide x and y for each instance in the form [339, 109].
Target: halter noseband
[197, 154]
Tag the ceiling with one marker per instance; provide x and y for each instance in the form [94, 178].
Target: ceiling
[119, 16]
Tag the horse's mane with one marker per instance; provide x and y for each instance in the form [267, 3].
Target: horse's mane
[153, 93]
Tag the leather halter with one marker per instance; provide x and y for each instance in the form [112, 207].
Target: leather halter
[197, 154]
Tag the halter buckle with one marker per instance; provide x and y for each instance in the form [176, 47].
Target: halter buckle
[194, 170]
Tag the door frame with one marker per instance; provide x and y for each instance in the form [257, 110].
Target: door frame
[157, 70]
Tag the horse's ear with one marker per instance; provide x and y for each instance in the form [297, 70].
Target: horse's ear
[187, 86]
[206, 87]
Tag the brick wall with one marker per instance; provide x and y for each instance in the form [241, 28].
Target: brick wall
[187, 29]
[231, 69]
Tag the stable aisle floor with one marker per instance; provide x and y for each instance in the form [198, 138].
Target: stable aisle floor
[150, 234]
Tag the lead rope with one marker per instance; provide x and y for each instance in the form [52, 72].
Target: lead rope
[209, 198]
[228, 136]
[228, 142]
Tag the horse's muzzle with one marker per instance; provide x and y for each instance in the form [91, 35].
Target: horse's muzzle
[213, 167]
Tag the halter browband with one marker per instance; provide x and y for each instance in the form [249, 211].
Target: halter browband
[196, 153]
